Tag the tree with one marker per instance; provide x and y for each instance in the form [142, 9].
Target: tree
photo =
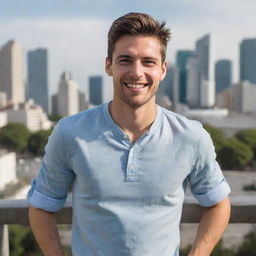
[22, 241]
[219, 250]
[55, 118]
[235, 154]
[14, 136]
[37, 142]
[218, 138]
[248, 247]
[248, 136]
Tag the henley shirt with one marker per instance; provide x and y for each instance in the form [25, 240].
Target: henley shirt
[127, 198]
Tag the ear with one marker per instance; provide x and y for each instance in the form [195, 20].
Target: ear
[108, 66]
[164, 68]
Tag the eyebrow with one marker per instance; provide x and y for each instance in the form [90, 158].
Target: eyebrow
[124, 56]
[150, 58]
[130, 57]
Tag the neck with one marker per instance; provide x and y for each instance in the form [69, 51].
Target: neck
[133, 121]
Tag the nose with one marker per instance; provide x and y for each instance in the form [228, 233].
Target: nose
[136, 70]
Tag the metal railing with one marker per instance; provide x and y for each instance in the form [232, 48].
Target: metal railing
[16, 212]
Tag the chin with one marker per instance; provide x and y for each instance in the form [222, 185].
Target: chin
[136, 103]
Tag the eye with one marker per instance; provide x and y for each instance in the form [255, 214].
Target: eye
[124, 61]
[149, 62]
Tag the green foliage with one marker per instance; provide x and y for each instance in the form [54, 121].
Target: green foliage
[14, 136]
[54, 118]
[248, 247]
[37, 142]
[185, 251]
[248, 136]
[219, 250]
[22, 241]
[218, 138]
[235, 154]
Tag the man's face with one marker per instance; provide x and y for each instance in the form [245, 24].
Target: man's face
[137, 69]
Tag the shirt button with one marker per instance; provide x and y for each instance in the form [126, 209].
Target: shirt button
[130, 166]
[126, 137]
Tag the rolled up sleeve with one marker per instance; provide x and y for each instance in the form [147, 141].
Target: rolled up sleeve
[50, 188]
[207, 183]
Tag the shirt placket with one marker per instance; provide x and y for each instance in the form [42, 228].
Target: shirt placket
[132, 163]
[131, 169]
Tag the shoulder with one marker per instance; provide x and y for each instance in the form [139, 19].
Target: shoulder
[81, 116]
[182, 125]
[81, 120]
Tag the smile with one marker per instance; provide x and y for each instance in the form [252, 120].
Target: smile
[135, 85]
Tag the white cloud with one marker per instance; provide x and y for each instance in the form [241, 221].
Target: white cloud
[76, 45]
[79, 44]
[228, 22]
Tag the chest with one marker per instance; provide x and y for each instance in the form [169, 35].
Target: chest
[153, 167]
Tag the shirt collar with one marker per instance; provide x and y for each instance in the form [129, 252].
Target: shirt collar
[115, 128]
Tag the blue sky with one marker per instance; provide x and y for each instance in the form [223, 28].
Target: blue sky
[75, 32]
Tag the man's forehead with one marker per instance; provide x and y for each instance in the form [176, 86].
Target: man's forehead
[129, 45]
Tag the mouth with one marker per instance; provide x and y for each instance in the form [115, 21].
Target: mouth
[136, 85]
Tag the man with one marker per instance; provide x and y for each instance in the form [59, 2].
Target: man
[128, 162]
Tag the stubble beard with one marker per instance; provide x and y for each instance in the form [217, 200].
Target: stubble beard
[136, 104]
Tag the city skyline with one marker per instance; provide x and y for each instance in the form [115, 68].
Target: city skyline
[75, 35]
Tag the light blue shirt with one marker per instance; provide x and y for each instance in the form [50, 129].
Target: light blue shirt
[127, 198]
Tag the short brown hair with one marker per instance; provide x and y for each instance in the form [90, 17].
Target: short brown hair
[135, 23]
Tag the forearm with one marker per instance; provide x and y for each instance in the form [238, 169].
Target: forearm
[212, 225]
[45, 230]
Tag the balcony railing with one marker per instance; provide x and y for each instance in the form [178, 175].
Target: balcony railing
[16, 212]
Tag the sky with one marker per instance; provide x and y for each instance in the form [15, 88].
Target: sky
[75, 32]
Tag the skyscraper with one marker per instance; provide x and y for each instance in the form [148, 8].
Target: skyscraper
[38, 78]
[166, 85]
[68, 97]
[168, 93]
[11, 72]
[207, 85]
[248, 60]
[193, 91]
[95, 90]
[181, 62]
[223, 75]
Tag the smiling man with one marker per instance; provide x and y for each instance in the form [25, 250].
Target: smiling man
[129, 161]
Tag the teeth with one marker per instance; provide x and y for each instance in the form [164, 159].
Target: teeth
[135, 85]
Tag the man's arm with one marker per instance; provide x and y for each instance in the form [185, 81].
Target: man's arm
[212, 225]
[45, 230]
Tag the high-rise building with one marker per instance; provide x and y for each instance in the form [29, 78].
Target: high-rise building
[68, 97]
[166, 85]
[3, 100]
[193, 83]
[54, 101]
[200, 81]
[181, 62]
[243, 97]
[82, 101]
[11, 72]
[38, 78]
[95, 90]
[223, 75]
[248, 60]
[205, 68]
